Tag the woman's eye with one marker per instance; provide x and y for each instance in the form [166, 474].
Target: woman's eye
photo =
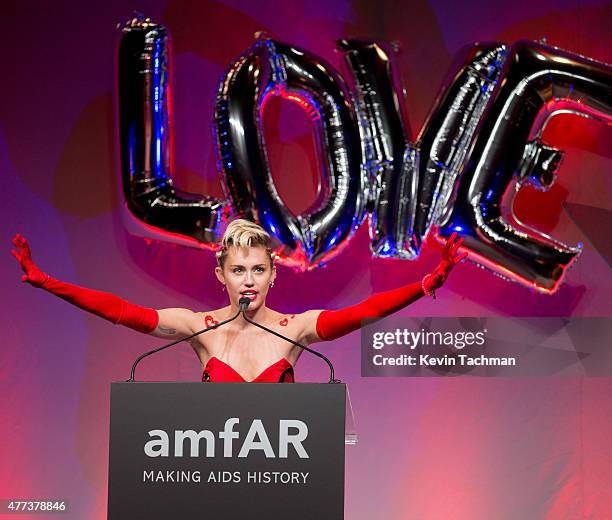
[260, 269]
[237, 270]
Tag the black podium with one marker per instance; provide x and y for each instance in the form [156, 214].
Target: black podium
[226, 450]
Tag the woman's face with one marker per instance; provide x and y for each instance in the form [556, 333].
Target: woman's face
[247, 272]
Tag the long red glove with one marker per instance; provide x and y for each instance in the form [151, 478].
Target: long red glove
[334, 324]
[105, 305]
[450, 258]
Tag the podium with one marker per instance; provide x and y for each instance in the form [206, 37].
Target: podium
[226, 450]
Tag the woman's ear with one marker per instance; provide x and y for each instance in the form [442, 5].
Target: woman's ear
[219, 275]
[273, 277]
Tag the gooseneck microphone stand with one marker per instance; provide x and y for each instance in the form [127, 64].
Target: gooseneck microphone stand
[212, 327]
[242, 311]
[244, 303]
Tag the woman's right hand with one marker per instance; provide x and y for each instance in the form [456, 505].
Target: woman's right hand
[33, 275]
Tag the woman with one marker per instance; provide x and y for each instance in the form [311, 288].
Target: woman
[239, 351]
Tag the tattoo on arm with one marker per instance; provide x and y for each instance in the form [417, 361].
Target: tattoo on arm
[167, 331]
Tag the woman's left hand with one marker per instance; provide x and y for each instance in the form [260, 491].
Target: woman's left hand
[450, 258]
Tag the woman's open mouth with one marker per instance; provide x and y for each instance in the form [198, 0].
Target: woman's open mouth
[249, 294]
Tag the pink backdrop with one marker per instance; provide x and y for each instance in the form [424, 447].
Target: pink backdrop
[429, 448]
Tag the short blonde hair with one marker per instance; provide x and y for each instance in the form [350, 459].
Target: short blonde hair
[243, 233]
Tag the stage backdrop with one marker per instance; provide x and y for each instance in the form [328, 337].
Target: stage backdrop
[429, 448]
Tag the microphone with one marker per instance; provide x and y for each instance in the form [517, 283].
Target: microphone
[245, 301]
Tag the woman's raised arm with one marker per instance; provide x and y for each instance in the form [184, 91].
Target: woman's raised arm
[177, 323]
[329, 325]
[166, 323]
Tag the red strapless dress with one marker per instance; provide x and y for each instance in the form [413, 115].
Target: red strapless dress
[218, 371]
